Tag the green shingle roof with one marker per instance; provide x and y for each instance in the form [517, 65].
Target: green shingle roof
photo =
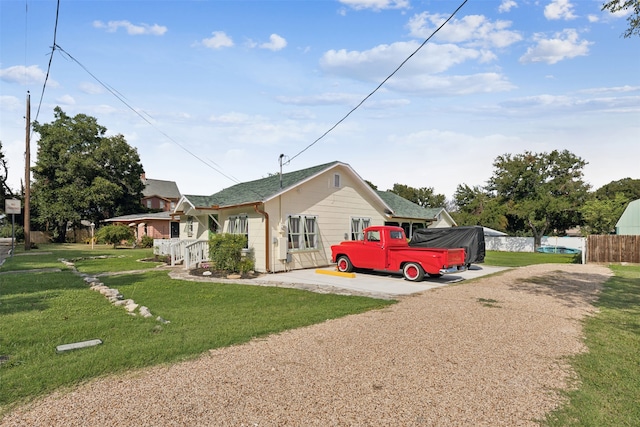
[259, 190]
[403, 208]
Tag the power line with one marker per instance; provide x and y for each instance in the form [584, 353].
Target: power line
[122, 99]
[53, 48]
[381, 84]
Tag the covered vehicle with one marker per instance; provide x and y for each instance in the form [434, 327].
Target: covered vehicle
[471, 238]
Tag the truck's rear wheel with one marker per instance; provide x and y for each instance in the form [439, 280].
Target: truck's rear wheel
[344, 264]
[413, 272]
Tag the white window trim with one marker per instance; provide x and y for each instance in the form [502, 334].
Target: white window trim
[307, 239]
[356, 231]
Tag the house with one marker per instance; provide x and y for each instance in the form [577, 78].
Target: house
[629, 222]
[291, 220]
[160, 198]
[158, 225]
[159, 195]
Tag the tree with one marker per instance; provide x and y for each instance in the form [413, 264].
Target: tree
[5, 191]
[114, 234]
[601, 215]
[630, 188]
[633, 19]
[81, 174]
[543, 192]
[424, 196]
[477, 206]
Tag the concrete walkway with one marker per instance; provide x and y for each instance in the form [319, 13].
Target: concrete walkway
[374, 284]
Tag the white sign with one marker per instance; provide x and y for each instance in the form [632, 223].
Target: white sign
[12, 206]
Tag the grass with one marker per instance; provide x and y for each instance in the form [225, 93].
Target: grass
[39, 311]
[518, 259]
[48, 255]
[609, 374]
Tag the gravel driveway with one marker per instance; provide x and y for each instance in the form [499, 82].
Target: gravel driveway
[488, 352]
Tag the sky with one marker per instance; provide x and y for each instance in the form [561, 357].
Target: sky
[212, 93]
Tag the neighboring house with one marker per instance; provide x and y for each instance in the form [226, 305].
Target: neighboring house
[411, 216]
[292, 220]
[629, 222]
[159, 195]
[157, 225]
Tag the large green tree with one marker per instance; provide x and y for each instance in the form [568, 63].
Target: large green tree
[542, 191]
[601, 213]
[633, 6]
[478, 206]
[82, 174]
[424, 196]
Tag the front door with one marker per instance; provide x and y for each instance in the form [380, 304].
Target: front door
[175, 230]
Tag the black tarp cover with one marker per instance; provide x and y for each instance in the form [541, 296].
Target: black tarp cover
[470, 238]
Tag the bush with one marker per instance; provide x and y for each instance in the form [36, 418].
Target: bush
[5, 231]
[225, 252]
[146, 242]
[114, 234]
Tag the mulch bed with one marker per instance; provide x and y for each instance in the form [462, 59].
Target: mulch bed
[223, 274]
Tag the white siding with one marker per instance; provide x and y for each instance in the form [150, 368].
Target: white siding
[333, 207]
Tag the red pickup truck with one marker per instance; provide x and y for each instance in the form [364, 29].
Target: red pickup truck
[386, 248]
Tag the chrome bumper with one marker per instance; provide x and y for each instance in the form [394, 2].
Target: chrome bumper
[450, 270]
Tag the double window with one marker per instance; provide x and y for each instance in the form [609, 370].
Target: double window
[357, 226]
[303, 232]
[239, 224]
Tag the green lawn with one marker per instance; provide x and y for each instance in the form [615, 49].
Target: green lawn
[609, 374]
[518, 259]
[39, 311]
[47, 256]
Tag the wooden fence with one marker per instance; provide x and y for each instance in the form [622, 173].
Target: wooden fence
[613, 249]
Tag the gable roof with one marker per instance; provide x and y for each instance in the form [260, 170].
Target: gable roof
[160, 188]
[164, 216]
[629, 222]
[259, 190]
[403, 208]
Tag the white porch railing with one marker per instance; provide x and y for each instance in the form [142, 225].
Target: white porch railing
[195, 253]
[189, 252]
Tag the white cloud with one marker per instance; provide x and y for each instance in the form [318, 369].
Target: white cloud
[90, 88]
[218, 41]
[232, 118]
[66, 99]
[472, 30]
[452, 85]
[507, 5]
[559, 9]
[376, 4]
[275, 43]
[10, 103]
[25, 75]
[593, 18]
[133, 30]
[563, 45]
[329, 98]
[375, 64]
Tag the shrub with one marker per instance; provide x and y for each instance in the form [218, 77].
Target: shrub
[114, 234]
[146, 242]
[5, 231]
[225, 252]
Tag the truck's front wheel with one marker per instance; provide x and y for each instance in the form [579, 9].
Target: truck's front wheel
[344, 264]
[413, 272]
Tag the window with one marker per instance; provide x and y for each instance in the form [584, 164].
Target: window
[336, 180]
[162, 204]
[189, 226]
[303, 232]
[173, 205]
[373, 236]
[357, 225]
[148, 203]
[239, 224]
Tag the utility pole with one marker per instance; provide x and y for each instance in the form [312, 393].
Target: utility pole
[27, 180]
